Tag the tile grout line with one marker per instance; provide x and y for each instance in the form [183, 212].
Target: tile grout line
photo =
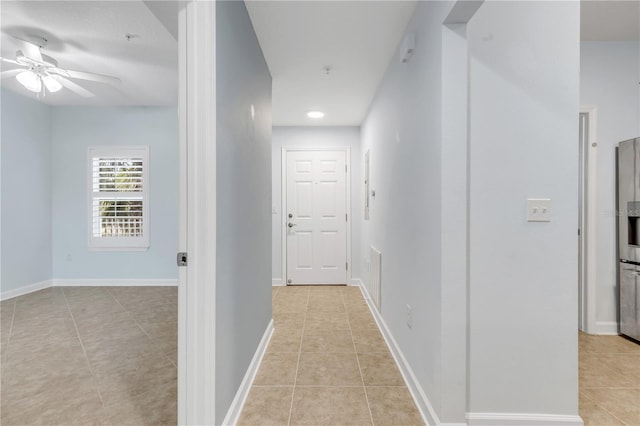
[155, 343]
[602, 407]
[84, 351]
[610, 369]
[6, 350]
[366, 395]
[295, 379]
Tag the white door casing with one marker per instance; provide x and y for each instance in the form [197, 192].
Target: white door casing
[196, 291]
[316, 217]
[587, 321]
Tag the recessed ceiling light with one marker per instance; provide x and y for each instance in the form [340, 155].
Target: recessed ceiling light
[315, 114]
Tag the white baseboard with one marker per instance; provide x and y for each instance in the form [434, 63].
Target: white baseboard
[518, 419]
[417, 393]
[607, 327]
[120, 282]
[135, 282]
[427, 411]
[356, 282]
[30, 288]
[233, 415]
[277, 281]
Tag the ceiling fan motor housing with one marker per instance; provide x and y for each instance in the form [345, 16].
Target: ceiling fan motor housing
[47, 61]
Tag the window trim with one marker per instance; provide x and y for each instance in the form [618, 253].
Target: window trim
[119, 243]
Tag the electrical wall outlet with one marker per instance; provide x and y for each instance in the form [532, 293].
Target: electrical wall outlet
[409, 316]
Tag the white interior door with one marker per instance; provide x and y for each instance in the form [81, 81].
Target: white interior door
[316, 217]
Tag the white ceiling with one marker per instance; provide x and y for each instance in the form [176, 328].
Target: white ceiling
[356, 38]
[298, 38]
[610, 20]
[90, 36]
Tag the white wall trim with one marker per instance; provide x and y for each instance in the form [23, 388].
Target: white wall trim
[26, 289]
[283, 189]
[233, 415]
[183, 189]
[356, 282]
[522, 419]
[277, 282]
[88, 282]
[417, 393]
[590, 213]
[115, 282]
[197, 297]
[607, 328]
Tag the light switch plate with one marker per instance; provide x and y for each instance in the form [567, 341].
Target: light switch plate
[539, 210]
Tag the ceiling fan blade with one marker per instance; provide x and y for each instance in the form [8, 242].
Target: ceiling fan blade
[30, 50]
[75, 88]
[81, 75]
[10, 73]
[10, 61]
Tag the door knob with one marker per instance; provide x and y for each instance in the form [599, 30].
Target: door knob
[291, 225]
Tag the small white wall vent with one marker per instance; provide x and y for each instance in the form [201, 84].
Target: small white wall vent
[408, 47]
[375, 277]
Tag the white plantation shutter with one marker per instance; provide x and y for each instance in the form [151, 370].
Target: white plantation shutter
[118, 210]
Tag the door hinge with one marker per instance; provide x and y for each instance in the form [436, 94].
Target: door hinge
[346, 265]
[181, 258]
[346, 217]
[345, 168]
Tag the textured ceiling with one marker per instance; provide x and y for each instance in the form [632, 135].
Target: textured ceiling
[90, 36]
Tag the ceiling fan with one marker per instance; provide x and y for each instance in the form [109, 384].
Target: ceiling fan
[41, 72]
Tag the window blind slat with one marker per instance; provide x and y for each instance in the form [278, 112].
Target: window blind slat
[113, 215]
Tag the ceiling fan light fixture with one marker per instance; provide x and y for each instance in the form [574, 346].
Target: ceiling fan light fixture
[30, 80]
[51, 83]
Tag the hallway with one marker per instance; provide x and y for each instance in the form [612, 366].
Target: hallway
[327, 363]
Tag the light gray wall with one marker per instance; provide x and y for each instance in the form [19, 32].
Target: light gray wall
[402, 132]
[74, 129]
[524, 99]
[243, 199]
[610, 72]
[316, 137]
[522, 289]
[26, 191]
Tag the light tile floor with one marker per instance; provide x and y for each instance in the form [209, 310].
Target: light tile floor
[327, 364]
[89, 355]
[97, 355]
[609, 380]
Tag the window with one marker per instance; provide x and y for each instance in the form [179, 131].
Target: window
[118, 198]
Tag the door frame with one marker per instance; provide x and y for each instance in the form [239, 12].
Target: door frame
[587, 320]
[283, 209]
[197, 212]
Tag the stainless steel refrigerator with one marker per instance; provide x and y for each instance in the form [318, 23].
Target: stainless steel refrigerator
[629, 236]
